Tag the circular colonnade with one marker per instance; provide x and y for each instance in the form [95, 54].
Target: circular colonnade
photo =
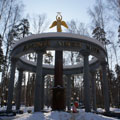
[62, 42]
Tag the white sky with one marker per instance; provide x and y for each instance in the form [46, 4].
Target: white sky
[70, 9]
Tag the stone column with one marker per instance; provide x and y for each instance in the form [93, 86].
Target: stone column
[19, 85]
[68, 91]
[86, 81]
[11, 85]
[105, 87]
[38, 83]
[93, 81]
[42, 91]
[58, 69]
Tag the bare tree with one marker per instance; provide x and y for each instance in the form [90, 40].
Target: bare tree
[99, 19]
[3, 7]
[8, 39]
[10, 15]
[39, 23]
[114, 6]
[77, 27]
[98, 15]
[10, 12]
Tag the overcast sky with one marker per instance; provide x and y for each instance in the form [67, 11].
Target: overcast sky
[70, 9]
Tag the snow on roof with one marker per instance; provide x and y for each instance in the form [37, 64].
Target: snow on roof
[58, 34]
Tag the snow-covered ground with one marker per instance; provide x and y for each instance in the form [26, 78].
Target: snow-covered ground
[116, 110]
[55, 115]
[63, 116]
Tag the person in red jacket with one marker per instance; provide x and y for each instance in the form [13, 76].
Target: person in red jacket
[75, 106]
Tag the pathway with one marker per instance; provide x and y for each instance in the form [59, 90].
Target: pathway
[73, 116]
[10, 118]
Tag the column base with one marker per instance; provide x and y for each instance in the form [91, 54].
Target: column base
[58, 99]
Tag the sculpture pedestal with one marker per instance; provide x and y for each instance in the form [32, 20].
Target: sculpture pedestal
[58, 99]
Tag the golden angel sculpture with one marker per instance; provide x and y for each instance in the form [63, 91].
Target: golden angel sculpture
[59, 23]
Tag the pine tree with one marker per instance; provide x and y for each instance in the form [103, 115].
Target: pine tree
[1, 65]
[119, 35]
[1, 54]
[24, 28]
[100, 34]
[117, 70]
[21, 30]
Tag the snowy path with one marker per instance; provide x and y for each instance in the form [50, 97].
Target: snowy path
[11, 118]
[73, 116]
[63, 116]
[55, 115]
[59, 116]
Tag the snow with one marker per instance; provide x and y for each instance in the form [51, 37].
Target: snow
[117, 110]
[56, 115]
[25, 109]
[46, 116]
[91, 116]
[3, 108]
[58, 34]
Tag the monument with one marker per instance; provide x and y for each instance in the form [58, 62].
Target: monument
[59, 42]
[58, 100]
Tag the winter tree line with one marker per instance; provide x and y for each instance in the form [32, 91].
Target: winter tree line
[104, 25]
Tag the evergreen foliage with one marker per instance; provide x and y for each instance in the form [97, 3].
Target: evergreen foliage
[119, 34]
[100, 34]
[21, 30]
[1, 54]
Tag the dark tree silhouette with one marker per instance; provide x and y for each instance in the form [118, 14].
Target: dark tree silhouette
[1, 54]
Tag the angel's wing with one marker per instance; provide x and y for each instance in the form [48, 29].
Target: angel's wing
[53, 24]
[64, 24]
